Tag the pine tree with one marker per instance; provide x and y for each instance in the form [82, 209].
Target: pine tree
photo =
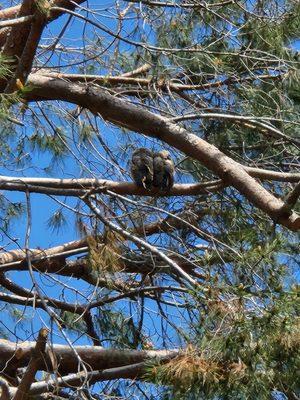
[111, 290]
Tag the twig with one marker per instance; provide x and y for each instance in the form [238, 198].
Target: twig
[138, 71]
[250, 121]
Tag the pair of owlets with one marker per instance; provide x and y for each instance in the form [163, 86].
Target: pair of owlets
[150, 169]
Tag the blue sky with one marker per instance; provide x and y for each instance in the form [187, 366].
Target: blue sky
[42, 206]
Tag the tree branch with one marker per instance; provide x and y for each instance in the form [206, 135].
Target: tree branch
[16, 21]
[291, 199]
[129, 79]
[25, 62]
[17, 38]
[131, 371]
[135, 118]
[13, 356]
[78, 187]
[32, 368]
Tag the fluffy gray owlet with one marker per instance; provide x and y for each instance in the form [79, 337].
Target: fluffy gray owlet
[163, 168]
[142, 167]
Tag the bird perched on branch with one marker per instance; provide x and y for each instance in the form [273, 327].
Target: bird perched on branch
[142, 167]
[163, 170]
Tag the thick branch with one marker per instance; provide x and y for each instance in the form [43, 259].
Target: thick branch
[22, 41]
[140, 120]
[13, 356]
[55, 263]
[132, 371]
[78, 187]
[5, 390]
[25, 62]
[17, 255]
[17, 38]
[182, 5]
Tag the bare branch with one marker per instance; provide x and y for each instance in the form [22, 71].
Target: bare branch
[129, 79]
[265, 128]
[16, 21]
[17, 355]
[130, 371]
[78, 187]
[138, 71]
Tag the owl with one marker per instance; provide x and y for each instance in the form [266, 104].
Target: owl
[163, 170]
[142, 167]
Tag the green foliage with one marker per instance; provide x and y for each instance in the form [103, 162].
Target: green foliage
[5, 70]
[55, 144]
[6, 102]
[237, 353]
[9, 212]
[57, 220]
[117, 329]
[86, 133]
[71, 322]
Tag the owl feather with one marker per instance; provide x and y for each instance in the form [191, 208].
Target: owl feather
[142, 168]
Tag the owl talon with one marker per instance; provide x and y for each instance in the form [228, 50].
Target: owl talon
[144, 182]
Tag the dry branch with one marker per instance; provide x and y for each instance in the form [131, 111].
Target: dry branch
[129, 79]
[19, 255]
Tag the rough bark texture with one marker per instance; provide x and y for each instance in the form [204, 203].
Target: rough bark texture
[13, 356]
